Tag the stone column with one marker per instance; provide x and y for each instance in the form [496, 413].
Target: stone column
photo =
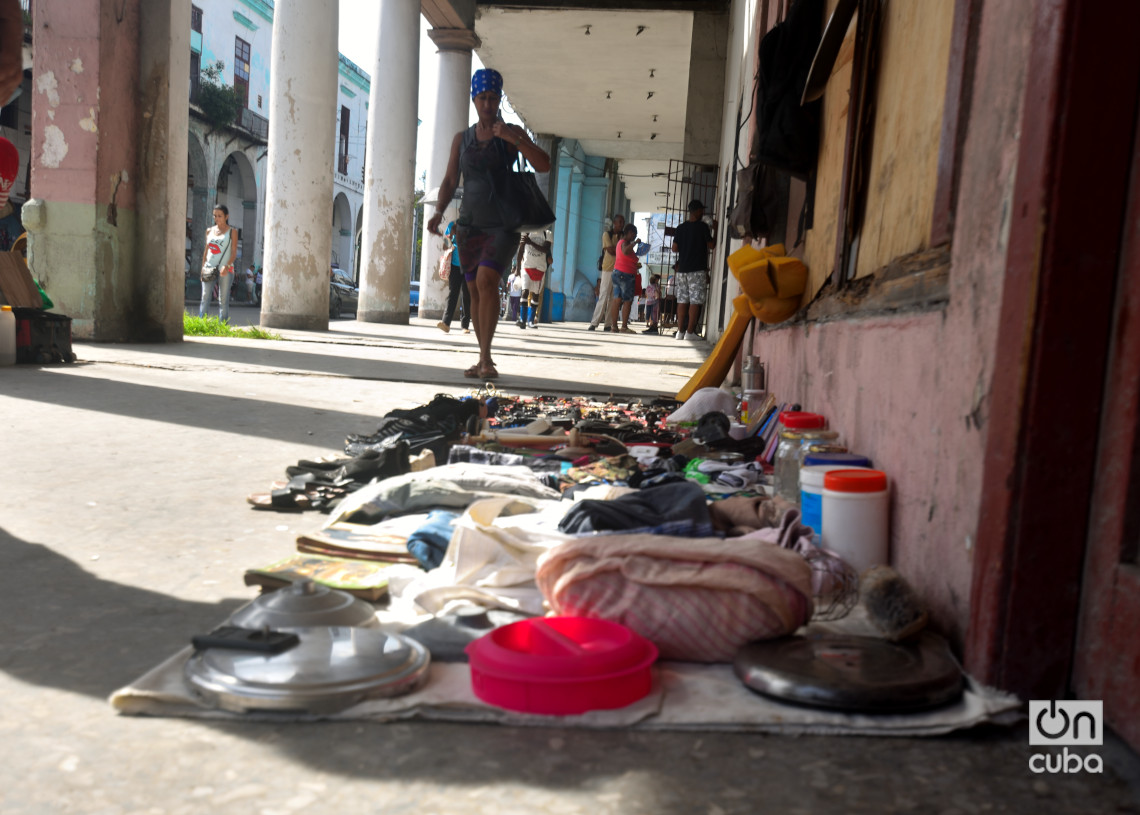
[109, 123]
[452, 111]
[299, 180]
[390, 167]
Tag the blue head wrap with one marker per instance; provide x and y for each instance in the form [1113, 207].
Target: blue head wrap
[486, 79]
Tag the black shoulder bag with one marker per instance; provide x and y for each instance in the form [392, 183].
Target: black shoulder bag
[522, 206]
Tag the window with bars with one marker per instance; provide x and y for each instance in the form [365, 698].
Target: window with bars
[241, 70]
[342, 151]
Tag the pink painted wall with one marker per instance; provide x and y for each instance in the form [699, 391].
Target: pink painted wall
[911, 390]
[84, 113]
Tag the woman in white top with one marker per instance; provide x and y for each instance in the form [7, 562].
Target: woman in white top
[218, 262]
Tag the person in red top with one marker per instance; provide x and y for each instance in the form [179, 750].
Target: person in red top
[626, 265]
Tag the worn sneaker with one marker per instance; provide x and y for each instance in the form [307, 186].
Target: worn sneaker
[607, 328]
[520, 324]
[533, 324]
[591, 327]
[692, 336]
[680, 335]
[442, 326]
[651, 330]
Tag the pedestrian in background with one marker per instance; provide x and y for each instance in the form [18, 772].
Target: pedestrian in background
[514, 293]
[625, 273]
[218, 260]
[692, 241]
[456, 288]
[251, 284]
[610, 239]
[533, 258]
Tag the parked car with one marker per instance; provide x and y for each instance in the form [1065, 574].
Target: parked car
[414, 297]
[343, 294]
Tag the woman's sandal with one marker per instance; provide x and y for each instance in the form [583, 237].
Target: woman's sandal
[487, 372]
[472, 372]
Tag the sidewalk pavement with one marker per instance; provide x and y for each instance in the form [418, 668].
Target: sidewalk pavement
[124, 530]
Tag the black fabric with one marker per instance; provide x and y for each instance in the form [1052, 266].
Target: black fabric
[692, 239]
[787, 133]
[648, 507]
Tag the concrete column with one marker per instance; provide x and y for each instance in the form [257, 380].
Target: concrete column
[299, 181]
[704, 114]
[452, 112]
[164, 65]
[390, 167]
[109, 123]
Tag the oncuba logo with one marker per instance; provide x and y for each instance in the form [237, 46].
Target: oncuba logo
[1065, 725]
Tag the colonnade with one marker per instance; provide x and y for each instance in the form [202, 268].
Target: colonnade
[299, 179]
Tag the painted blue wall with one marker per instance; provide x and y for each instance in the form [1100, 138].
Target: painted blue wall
[581, 209]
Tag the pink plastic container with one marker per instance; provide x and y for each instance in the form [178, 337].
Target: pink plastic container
[561, 666]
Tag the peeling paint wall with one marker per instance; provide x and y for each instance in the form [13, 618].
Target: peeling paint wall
[911, 391]
[89, 119]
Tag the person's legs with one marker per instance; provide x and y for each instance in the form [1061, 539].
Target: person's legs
[485, 310]
[615, 306]
[697, 292]
[454, 286]
[207, 292]
[605, 295]
[465, 320]
[694, 317]
[682, 319]
[225, 281]
[625, 307]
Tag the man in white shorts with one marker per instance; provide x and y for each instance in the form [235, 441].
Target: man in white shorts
[534, 259]
[692, 241]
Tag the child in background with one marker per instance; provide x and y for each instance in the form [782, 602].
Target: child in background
[652, 303]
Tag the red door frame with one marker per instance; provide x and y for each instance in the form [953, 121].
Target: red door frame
[1050, 362]
[1108, 650]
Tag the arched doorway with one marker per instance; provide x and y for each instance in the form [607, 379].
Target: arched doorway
[342, 232]
[197, 213]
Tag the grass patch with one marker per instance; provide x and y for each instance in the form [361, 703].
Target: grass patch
[213, 327]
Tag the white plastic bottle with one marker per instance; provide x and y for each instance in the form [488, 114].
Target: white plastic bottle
[855, 516]
[7, 336]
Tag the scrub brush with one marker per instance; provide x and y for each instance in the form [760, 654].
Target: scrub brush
[892, 604]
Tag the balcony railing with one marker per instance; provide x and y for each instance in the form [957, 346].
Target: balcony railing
[257, 125]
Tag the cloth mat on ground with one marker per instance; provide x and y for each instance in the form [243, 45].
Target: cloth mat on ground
[685, 696]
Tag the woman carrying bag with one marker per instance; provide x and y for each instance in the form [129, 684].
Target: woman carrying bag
[483, 153]
[218, 262]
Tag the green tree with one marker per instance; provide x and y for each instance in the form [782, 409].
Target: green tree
[219, 101]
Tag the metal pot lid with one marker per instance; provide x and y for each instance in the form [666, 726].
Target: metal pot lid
[853, 673]
[305, 603]
[332, 668]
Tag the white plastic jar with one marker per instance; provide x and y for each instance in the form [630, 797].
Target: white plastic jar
[811, 493]
[856, 516]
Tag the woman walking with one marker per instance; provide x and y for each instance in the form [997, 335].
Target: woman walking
[218, 261]
[483, 153]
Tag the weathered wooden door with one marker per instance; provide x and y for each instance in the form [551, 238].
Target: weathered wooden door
[1107, 659]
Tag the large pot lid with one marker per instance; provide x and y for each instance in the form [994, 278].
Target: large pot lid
[305, 603]
[847, 672]
[332, 668]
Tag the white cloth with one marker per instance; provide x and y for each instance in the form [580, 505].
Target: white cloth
[706, 400]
